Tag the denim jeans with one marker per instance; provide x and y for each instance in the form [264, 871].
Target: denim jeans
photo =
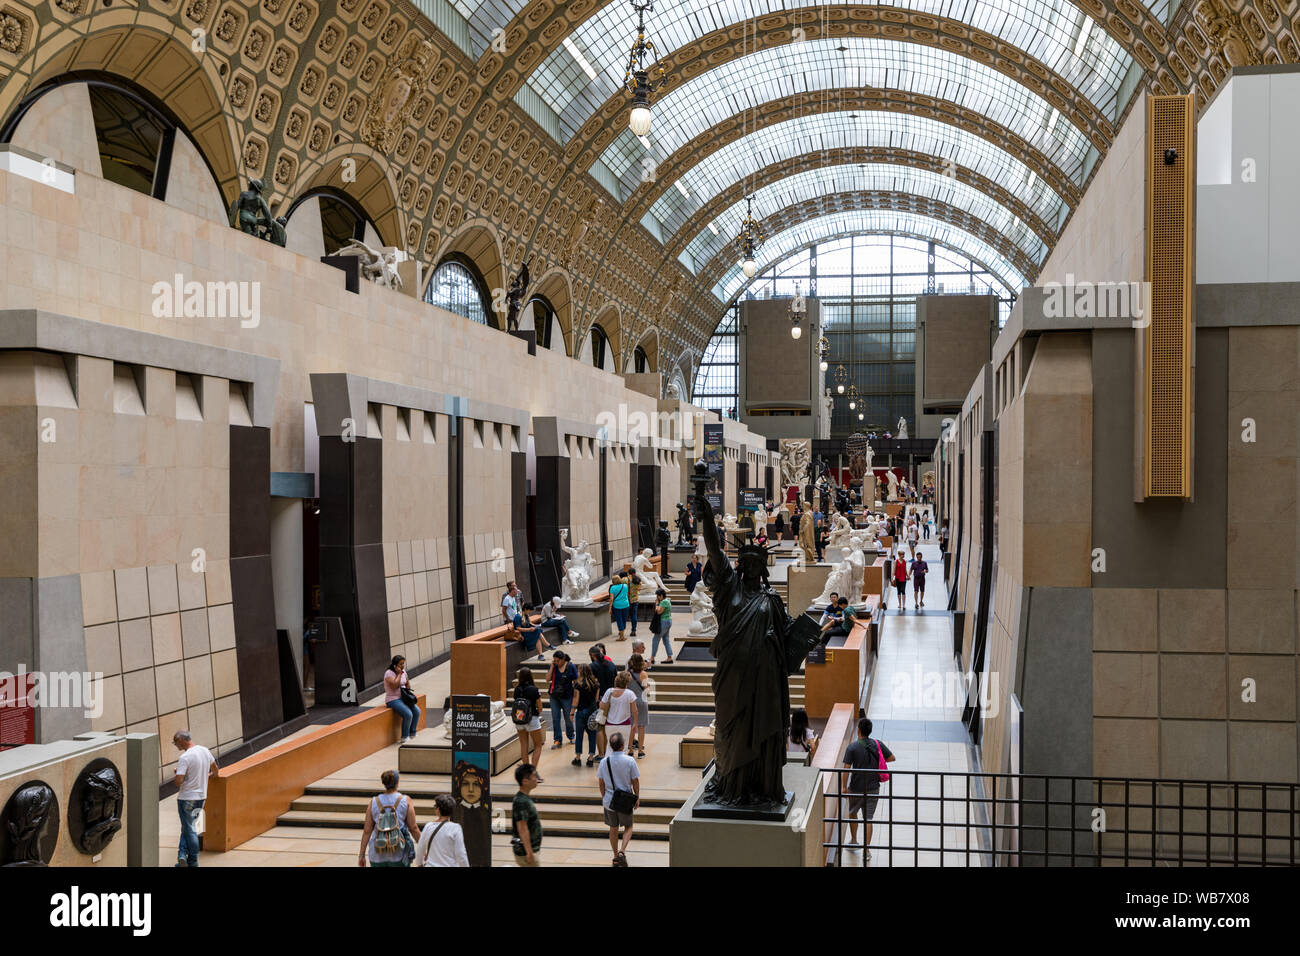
[664, 628]
[188, 851]
[620, 617]
[561, 626]
[410, 716]
[583, 716]
[561, 705]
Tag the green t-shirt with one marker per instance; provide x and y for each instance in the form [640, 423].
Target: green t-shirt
[849, 618]
[666, 611]
[523, 808]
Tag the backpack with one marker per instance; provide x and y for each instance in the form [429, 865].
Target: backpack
[521, 711]
[390, 841]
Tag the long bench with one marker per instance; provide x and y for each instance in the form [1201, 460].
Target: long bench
[841, 730]
[247, 797]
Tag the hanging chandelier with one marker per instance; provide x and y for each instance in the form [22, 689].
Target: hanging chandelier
[798, 309]
[852, 394]
[643, 76]
[841, 376]
[823, 349]
[750, 236]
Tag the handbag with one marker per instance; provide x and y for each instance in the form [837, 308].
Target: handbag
[592, 723]
[621, 801]
[882, 775]
[655, 622]
[408, 696]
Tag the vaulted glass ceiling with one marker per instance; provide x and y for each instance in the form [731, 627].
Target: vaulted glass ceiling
[808, 135]
[587, 68]
[796, 69]
[865, 177]
[887, 221]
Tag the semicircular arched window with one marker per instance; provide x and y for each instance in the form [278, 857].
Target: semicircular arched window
[599, 346]
[544, 320]
[640, 361]
[457, 287]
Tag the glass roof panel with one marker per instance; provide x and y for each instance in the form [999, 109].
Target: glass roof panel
[781, 245]
[1055, 32]
[854, 177]
[691, 108]
[806, 135]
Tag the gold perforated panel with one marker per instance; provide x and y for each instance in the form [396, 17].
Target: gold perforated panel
[1171, 230]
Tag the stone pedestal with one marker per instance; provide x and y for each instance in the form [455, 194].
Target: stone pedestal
[591, 621]
[794, 841]
[695, 750]
[807, 584]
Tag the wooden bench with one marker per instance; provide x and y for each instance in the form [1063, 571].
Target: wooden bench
[841, 730]
[246, 798]
[842, 676]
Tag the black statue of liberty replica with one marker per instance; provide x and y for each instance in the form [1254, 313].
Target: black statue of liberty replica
[757, 648]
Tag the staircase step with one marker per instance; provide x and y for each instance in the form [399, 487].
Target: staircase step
[648, 830]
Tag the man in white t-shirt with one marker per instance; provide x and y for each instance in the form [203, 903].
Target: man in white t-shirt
[618, 771]
[193, 769]
[510, 602]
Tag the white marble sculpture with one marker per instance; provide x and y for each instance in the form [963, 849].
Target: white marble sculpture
[796, 455]
[701, 551]
[579, 570]
[761, 518]
[498, 719]
[377, 265]
[645, 572]
[841, 531]
[824, 423]
[703, 622]
[902, 427]
[859, 561]
[839, 581]
[729, 523]
[893, 485]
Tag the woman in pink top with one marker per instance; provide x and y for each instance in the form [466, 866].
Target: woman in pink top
[394, 680]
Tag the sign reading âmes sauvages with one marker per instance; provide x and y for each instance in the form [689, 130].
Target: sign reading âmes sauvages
[471, 773]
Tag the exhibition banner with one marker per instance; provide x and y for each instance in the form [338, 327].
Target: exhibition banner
[471, 773]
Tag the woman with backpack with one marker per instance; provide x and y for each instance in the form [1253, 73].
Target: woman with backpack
[442, 843]
[586, 701]
[660, 625]
[618, 605]
[560, 680]
[390, 820]
[526, 712]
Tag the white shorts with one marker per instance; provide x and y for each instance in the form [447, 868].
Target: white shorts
[534, 724]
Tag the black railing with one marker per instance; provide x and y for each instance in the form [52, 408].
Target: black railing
[936, 818]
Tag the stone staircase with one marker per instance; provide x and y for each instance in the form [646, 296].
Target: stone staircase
[566, 810]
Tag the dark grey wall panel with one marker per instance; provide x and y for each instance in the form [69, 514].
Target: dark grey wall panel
[1158, 543]
[1056, 686]
[257, 655]
[552, 514]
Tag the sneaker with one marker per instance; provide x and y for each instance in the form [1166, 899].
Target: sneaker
[541, 657]
[576, 761]
[565, 642]
[866, 854]
[573, 633]
[182, 864]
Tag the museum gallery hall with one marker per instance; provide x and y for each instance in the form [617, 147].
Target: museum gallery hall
[637, 434]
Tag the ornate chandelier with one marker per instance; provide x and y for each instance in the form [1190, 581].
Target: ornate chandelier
[643, 77]
[798, 309]
[750, 237]
[841, 376]
[823, 349]
[852, 394]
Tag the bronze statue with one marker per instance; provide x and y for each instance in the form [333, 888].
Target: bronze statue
[685, 526]
[95, 814]
[31, 826]
[515, 297]
[758, 647]
[251, 214]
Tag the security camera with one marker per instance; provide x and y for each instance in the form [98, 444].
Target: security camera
[1171, 156]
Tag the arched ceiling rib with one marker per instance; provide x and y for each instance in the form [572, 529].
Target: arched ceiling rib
[715, 211]
[800, 236]
[917, 214]
[827, 139]
[808, 68]
[872, 178]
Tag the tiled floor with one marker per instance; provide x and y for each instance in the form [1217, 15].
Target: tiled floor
[916, 705]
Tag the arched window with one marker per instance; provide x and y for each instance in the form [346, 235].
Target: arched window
[544, 320]
[341, 217]
[640, 361]
[134, 133]
[457, 287]
[599, 346]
